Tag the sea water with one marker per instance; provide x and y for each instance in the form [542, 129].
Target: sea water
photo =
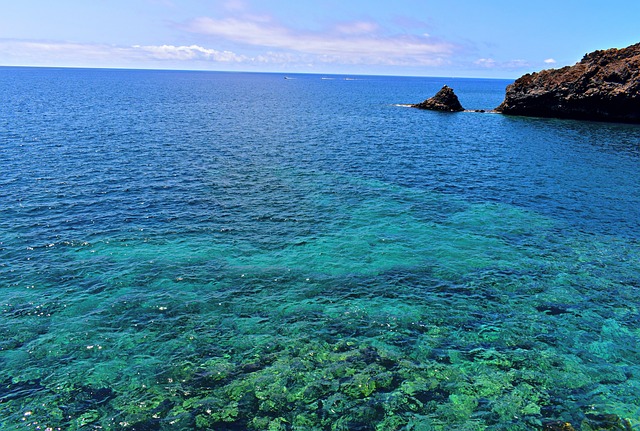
[236, 251]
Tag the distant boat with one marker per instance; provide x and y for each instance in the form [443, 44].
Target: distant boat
[286, 77]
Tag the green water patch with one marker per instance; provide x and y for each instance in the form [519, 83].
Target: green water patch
[265, 358]
[403, 310]
[373, 230]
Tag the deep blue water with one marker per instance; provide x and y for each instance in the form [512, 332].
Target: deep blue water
[231, 251]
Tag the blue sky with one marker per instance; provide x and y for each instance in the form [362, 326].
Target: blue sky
[499, 38]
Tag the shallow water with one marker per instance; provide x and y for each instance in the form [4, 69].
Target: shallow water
[191, 250]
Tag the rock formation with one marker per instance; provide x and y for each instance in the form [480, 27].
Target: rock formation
[444, 100]
[603, 86]
[592, 422]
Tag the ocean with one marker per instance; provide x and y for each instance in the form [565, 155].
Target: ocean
[238, 251]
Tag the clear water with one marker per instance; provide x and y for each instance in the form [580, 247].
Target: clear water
[227, 251]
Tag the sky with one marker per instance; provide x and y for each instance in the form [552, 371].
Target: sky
[461, 38]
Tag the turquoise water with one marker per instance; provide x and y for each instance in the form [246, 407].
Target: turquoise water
[227, 251]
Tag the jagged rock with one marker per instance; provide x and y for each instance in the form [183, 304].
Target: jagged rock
[592, 422]
[603, 86]
[605, 422]
[444, 100]
[558, 426]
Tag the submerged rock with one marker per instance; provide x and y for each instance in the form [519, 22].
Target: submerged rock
[558, 426]
[605, 422]
[592, 422]
[444, 100]
[603, 86]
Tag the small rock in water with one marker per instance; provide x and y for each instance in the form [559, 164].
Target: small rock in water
[445, 100]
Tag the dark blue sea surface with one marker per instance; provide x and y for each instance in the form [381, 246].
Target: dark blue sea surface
[235, 251]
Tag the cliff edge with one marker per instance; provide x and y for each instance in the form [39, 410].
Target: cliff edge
[603, 86]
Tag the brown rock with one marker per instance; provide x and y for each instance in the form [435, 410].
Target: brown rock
[605, 422]
[603, 86]
[558, 426]
[444, 100]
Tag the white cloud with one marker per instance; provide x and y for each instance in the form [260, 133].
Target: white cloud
[21, 52]
[42, 51]
[550, 61]
[192, 52]
[349, 43]
[515, 64]
[254, 32]
[485, 62]
[358, 27]
[490, 63]
[309, 53]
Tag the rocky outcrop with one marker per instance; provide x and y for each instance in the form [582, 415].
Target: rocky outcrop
[444, 100]
[603, 86]
[592, 422]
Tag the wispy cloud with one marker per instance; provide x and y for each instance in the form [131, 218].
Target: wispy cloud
[76, 54]
[241, 39]
[41, 51]
[356, 42]
[192, 52]
[550, 61]
[490, 63]
[486, 62]
[357, 28]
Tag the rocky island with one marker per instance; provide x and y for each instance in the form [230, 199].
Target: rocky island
[445, 100]
[603, 86]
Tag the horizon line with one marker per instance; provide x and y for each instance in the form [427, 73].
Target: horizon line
[151, 69]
